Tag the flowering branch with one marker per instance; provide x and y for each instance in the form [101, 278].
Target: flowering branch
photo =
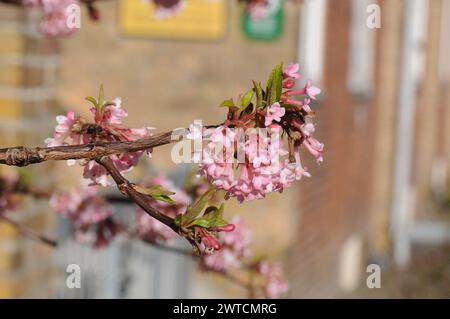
[245, 156]
[23, 156]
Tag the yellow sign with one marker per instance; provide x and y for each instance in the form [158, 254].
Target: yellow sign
[197, 19]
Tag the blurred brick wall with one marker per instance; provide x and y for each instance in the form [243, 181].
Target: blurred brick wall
[345, 206]
[428, 113]
[25, 100]
[334, 202]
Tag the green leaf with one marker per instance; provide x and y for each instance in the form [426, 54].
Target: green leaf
[201, 222]
[92, 100]
[227, 103]
[259, 93]
[274, 84]
[193, 211]
[246, 99]
[164, 198]
[157, 192]
[178, 219]
[211, 218]
[214, 216]
[101, 97]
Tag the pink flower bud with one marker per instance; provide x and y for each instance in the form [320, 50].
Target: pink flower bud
[226, 228]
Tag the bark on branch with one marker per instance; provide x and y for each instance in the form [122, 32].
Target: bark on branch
[23, 156]
[126, 188]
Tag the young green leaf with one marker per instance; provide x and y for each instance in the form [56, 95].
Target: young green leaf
[201, 222]
[193, 211]
[178, 220]
[274, 84]
[246, 99]
[101, 97]
[157, 192]
[92, 100]
[215, 216]
[227, 103]
[259, 93]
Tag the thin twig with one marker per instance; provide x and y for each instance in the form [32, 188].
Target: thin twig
[29, 232]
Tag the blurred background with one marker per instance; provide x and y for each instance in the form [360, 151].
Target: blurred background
[381, 196]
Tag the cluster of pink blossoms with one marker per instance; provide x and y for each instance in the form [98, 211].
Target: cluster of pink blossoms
[149, 228]
[235, 246]
[86, 211]
[245, 155]
[274, 284]
[56, 14]
[108, 127]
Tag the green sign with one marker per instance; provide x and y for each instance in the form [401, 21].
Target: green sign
[268, 27]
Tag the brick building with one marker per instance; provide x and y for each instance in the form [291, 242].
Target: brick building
[27, 103]
[352, 211]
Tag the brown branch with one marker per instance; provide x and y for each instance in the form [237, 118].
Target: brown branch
[125, 187]
[23, 156]
[29, 232]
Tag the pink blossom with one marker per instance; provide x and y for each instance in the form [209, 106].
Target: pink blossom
[288, 84]
[250, 168]
[63, 130]
[235, 246]
[311, 90]
[305, 105]
[96, 173]
[109, 128]
[274, 113]
[105, 232]
[54, 22]
[114, 114]
[89, 214]
[208, 243]
[83, 207]
[314, 147]
[291, 71]
[275, 285]
[307, 129]
[55, 25]
[261, 173]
